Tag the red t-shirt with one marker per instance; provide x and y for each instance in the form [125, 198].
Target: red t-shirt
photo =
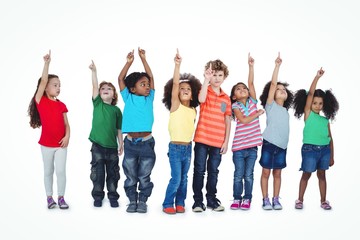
[52, 121]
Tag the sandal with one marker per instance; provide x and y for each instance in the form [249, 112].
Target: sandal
[325, 205]
[298, 204]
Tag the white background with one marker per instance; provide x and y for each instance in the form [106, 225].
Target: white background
[308, 34]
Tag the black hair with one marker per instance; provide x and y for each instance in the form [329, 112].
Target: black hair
[330, 107]
[290, 96]
[194, 83]
[133, 78]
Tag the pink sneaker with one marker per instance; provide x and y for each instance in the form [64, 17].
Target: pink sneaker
[245, 204]
[235, 205]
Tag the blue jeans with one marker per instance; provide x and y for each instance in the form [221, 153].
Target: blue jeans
[104, 159]
[244, 161]
[315, 157]
[179, 158]
[272, 156]
[206, 158]
[138, 162]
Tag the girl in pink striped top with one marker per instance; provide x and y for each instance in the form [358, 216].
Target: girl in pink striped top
[247, 138]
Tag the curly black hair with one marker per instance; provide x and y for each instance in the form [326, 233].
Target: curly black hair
[290, 96]
[194, 83]
[133, 78]
[330, 107]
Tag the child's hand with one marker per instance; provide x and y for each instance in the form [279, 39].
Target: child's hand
[177, 58]
[278, 60]
[251, 61]
[320, 72]
[92, 66]
[260, 112]
[47, 57]
[130, 57]
[208, 74]
[141, 53]
[64, 142]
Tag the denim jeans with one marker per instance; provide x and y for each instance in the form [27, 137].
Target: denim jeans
[104, 159]
[138, 162]
[206, 158]
[244, 161]
[180, 159]
[315, 157]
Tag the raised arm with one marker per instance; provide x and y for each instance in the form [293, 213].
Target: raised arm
[125, 69]
[44, 77]
[274, 80]
[310, 95]
[146, 67]
[95, 84]
[251, 62]
[175, 102]
[208, 74]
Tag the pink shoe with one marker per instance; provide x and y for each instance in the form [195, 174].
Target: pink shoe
[325, 205]
[235, 205]
[245, 204]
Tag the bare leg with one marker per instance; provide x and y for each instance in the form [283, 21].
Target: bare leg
[322, 184]
[277, 182]
[264, 181]
[303, 184]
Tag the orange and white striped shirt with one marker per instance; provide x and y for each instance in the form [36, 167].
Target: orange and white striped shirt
[211, 127]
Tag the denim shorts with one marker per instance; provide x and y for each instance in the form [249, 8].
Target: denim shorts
[315, 157]
[272, 156]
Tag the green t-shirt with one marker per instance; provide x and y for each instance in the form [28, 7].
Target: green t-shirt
[316, 130]
[106, 122]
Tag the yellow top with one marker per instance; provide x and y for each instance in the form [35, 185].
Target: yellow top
[181, 124]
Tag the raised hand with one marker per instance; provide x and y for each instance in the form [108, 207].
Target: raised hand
[251, 61]
[141, 53]
[130, 57]
[208, 74]
[278, 60]
[47, 57]
[92, 66]
[177, 58]
[320, 72]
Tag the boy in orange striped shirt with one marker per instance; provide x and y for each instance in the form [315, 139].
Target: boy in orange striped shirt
[211, 135]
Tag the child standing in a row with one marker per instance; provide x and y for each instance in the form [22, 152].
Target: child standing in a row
[211, 135]
[276, 99]
[247, 138]
[107, 142]
[318, 148]
[137, 91]
[181, 98]
[49, 113]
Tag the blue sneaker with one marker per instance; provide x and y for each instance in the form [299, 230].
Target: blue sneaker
[266, 204]
[198, 207]
[276, 204]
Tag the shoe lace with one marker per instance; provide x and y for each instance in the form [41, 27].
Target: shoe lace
[246, 201]
[236, 201]
[276, 201]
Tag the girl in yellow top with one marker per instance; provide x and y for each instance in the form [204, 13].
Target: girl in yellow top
[181, 98]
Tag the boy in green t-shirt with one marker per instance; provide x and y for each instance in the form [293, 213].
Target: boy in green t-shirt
[107, 142]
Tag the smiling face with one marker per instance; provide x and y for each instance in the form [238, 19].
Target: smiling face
[52, 89]
[142, 87]
[241, 92]
[185, 92]
[317, 104]
[106, 93]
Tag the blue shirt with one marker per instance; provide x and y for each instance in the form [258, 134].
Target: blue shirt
[277, 125]
[138, 115]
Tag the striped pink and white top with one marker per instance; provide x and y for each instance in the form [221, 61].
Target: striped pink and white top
[247, 135]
